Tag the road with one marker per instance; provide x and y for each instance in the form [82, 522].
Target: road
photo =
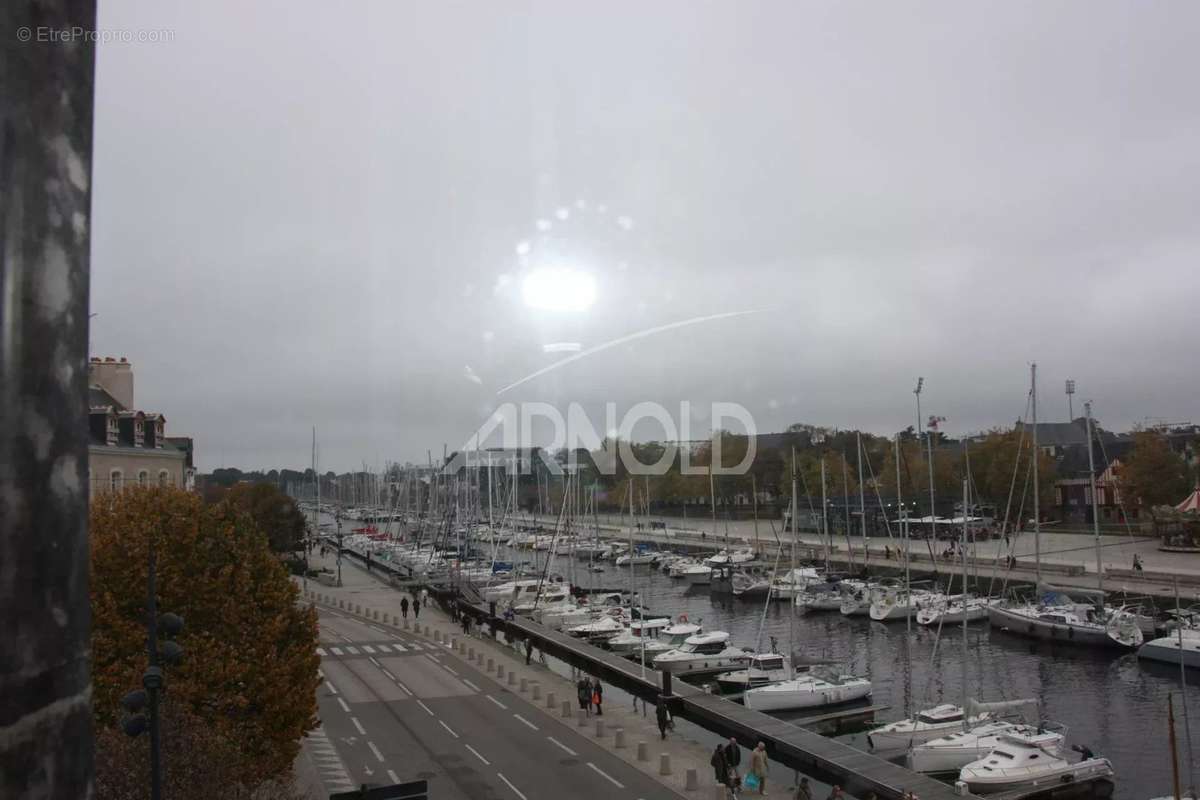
[395, 708]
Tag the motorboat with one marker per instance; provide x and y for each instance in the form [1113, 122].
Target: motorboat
[752, 576]
[679, 567]
[1167, 648]
[702, 652]
[639, 633]
[820, 687]
[794, 581]
[953, 751]
[748, 586]
[761, 669]
[636, 558]
[819, 597]
[605, 627]
[932, 723]
[1030, 760]
[669, 638]
[554, 596]
[727, 558]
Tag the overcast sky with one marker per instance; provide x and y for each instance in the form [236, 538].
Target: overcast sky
[313, 213]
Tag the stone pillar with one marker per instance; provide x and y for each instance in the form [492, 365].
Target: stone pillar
[619, 741]
[524, 685]
[599, 729]
[643, 751]
[551, 700]
[664, 764]
[45, 175]
[581, 718]
[691, 780]
[566, 710]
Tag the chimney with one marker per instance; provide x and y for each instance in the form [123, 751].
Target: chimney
[116, 378]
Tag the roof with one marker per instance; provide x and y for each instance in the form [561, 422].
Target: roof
[1074, 459]
[1067, 433]
[98, 397]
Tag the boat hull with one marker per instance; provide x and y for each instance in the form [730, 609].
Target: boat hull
[1166, 650]
[1023, 625]
[1090, 769]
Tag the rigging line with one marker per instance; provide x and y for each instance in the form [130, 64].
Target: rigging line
[1011, 488]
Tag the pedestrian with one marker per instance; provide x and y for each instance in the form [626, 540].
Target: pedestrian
[466, 625]
[597, 696]
[528, 651]
[404, 608]
[803, 791]
[720, 768]
[416, 608]
[733, 757]
[583, 691]
[425, 597]
[836, 793]
[662, 716]
[759, 766]
[1137, 563]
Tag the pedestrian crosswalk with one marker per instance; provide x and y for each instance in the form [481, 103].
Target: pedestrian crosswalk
[375, 648]
[327, 762]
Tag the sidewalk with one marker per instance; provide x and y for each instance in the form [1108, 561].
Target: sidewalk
[624, 732]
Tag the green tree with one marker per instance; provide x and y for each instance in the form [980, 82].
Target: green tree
[250, 665]
[1153, 475]
[274, 513]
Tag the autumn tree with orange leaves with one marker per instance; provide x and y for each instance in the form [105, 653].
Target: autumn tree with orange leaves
[250, 666]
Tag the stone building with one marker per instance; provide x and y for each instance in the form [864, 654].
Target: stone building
[127, 446]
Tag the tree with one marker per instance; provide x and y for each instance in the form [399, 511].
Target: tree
[275, 514]
[1153, 475]
[250, 666]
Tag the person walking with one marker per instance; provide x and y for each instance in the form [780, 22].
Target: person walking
[416, 608]
[597, 696]
[662, 716]
[583, 690]
[404, 607]
[720, 768]
[803, 791]
[759, 765]
[836, 793]
[733, 758]
[1137, 563]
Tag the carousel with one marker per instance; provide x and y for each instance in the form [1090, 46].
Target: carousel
[1179, 526]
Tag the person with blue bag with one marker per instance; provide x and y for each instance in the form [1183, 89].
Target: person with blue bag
[757, 777]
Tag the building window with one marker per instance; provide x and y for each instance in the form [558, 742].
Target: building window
[143, 478]
[114, 480]
[163, 477]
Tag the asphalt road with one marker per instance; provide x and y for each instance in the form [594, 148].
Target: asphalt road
[395, 715]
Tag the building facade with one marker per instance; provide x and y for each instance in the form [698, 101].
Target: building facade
[127, 446]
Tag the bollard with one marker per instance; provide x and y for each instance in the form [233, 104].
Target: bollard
[437, 636]
[406, 623]
[691, 780]
[385, 618]
[491, 666]
[470, 653]
[537, 691]
[581, 718]
[551, 700]
[479, 658]
[428, 631]
[566, 709]
[357, 610]
[524, 685]
[453, 643]
[664, 764]
[499, 670]
[620, 739]
[375, 615]
[599, 729]
[512, 678]
[643, 751]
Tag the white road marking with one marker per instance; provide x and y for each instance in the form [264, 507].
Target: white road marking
[477, 755]
[320, 673]
[373, 661]
[448, 728]
[389, 674]
[431, 657]
[399, 648]
[393, 776]
[358, 725]
[497, 702]
[562, 746]
[379, 755]
[337, 651]
[321, 652]
[448, 669]
[517, 791]
[604, 774]
[468, 683]
[352, 651]
[407, 690]
[345, 707]
[383, 648]
[422, 705]
[524, 721]
[329, 686]
[368, 649]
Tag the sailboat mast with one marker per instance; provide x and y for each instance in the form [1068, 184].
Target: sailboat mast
[792, 576]
[754, 493]
[907, 577]
[1037, 514]
[862, 502]
[963, 548]
[1087, 411]
[846, 505]
[1187, 723]
[826, 542]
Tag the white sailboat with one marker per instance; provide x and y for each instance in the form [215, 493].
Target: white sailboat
[932, 723]
[819, 687]
[952, 751]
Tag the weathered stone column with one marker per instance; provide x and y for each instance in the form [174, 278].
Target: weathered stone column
[45, 176]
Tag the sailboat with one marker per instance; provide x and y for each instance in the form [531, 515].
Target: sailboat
[1055, 615]
[951, 751]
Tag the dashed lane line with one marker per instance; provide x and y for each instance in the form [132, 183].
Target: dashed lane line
[321, 652]
[448, 729]
[497, 702]
[451, 671]
[342, 703]
[379, 755]
[358, 726]
[562, 746]
[468, 683]
[507, 782]
[525, 722]
[337, 651]
[606, 776]
[396, 778]
[368, 649]
[330, 687]
[478, 755]
[427, 711]
[374, 661]
[352, 651]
